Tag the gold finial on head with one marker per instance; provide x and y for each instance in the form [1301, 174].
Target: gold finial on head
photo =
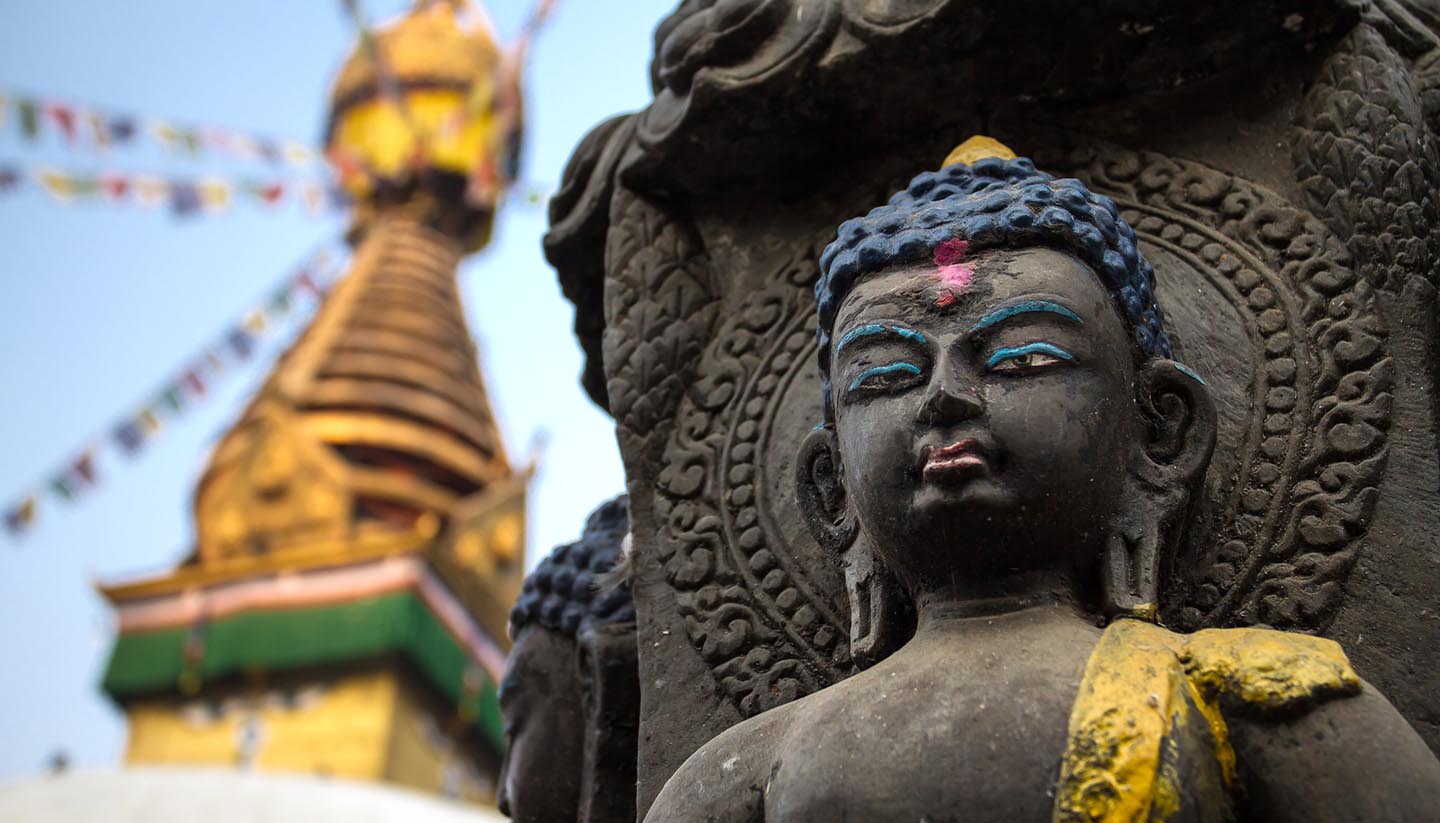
[978, 148]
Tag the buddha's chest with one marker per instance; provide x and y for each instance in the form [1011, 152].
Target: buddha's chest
[974, 754]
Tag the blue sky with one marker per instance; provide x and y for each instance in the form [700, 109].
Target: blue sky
[101, 303]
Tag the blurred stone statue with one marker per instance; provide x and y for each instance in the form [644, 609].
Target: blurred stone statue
[570, 699]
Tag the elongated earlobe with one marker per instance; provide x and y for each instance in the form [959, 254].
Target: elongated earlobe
[880, 615]
[1178, 440]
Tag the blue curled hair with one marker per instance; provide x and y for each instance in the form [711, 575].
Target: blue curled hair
[567, 592]
[993, 203]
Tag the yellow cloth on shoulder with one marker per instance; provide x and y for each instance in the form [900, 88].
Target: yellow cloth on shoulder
[1148, 716]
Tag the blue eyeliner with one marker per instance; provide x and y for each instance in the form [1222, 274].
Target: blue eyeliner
[1186, 370]
[877, 328]
[1001, 355]
[1028, 307]
[909, 368]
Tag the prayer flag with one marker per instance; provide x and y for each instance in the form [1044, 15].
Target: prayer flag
[122, 129]
[244, 146]
[194, 383]
[167, 134]
[298, 155]
[212, 358]
[268, 150]
[269, 193]
[60, 484]
[214, 194]
[21, 516]
[9, 178]
[191, 141]
[184, 198]
[29, 117]
[171, 398]
[84, 467]
[64, 118]
[99, 130]
[307, 282]
[149, 421]
[61, 186]
[255, 323]
[314, 197]
[114, 186]
[280, 302]
[241, 343]
[150, 192]
[129, 436]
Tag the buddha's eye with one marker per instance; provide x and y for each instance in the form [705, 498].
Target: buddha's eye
[889, 377]
[1027, 358]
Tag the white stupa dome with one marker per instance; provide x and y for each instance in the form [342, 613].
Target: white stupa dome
[153, 795]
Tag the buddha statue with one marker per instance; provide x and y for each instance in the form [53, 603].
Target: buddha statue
[1007, 455]
[570, 695]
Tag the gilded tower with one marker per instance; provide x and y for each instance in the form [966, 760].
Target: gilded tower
[360, 530]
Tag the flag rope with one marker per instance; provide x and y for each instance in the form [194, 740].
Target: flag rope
[307, 282]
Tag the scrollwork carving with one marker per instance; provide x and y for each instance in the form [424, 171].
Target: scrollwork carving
[755, 614]
[1300, 488]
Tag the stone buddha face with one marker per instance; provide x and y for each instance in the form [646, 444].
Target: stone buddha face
[994, 421]
[981, 426]
[540, 704]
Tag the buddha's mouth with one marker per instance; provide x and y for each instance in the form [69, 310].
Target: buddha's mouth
[958, 461]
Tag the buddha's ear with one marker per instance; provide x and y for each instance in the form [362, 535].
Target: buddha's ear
[820, 491]
[1177, 439]
[1180, 414]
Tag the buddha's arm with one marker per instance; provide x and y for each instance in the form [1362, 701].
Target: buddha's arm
[1352, 758]
[725, 781]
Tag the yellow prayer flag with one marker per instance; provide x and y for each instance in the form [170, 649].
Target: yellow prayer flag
[297, 154]
[60, 185]
[214, 193]
[165, 133]
[255, 322]
[149, 421]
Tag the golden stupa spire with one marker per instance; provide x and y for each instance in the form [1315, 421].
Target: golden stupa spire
[359, 530]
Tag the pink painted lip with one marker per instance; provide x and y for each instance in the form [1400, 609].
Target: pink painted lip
[960, 459]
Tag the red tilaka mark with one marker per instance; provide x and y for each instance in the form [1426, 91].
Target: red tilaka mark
[954, 276]
[951, 252]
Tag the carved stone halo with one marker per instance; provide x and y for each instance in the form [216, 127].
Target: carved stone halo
[1262, 301]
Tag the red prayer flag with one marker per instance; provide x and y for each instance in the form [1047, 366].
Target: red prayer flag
[84, 468]
[115, 186]
[64, 118]
[194, 383]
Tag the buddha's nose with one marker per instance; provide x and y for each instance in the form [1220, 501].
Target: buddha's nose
[950, 400]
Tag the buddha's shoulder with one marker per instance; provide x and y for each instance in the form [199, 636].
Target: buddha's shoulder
[1266, 671]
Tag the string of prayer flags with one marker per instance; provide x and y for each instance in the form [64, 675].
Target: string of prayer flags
[184, 197]
[102, 130]
[306, 284]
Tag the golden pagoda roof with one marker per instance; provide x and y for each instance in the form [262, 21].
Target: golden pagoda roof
[375, 418]
[429, 46]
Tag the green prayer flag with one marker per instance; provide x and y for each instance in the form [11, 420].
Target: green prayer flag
[61, 486]
[29, 112]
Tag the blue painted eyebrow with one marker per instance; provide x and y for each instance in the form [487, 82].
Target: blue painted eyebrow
[877, 328]
[1028, 307]
[1029, 348]
[909, 368]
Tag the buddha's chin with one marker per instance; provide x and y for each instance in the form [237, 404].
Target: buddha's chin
[973, 503]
